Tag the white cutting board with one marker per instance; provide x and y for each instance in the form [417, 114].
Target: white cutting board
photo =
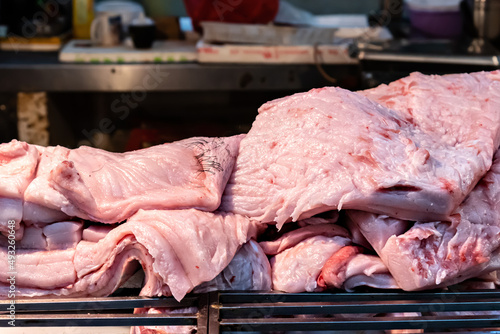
[82, 51]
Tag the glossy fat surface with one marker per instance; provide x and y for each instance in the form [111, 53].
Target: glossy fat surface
[330, 148]
[433, 254]
[110, 187]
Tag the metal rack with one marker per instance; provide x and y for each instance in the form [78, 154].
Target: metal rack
[231, 312]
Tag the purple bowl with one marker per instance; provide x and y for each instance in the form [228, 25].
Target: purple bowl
[437, 24]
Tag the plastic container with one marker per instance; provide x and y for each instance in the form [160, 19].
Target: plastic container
[234, 11]
[83, 15]
[437, 19]
[127, 10]
[142, 30]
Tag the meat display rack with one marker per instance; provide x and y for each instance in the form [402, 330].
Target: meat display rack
[232, 312]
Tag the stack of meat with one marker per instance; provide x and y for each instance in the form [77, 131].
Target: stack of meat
[411, 166]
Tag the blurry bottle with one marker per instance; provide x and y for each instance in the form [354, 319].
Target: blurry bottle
[83, 14]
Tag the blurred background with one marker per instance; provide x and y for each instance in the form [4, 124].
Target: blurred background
[122, 75]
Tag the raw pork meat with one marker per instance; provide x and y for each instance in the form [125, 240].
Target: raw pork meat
[439, 105]
[164, 329]
[178, 250]
[54, 236]
[41, 200]
[248, 270]
[18, 163]
[330, 149]
[436, 254]
[321, 226]
[301, 254]
[349, 268]
[110, 187]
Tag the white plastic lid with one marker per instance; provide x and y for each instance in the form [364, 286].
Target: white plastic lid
[119, 6]
[142, 20]
[434, 5]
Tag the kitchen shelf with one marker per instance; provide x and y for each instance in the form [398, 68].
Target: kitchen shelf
[29, 72]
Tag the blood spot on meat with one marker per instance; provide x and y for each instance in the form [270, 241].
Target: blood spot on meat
[447, 185]
[385, 135]
[197, 267]
[390, 104]
[367, 159]
[273, 144]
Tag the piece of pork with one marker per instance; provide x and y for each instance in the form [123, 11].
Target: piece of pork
[248, 270]
[53, 273]
[437, 254]
[184, 247]
[18, 163]
[178, 250]
[61, 235]
[94, 233]
[349, 268]
[110, 187]
[440, 104]
[319, 226]
[164, 329]
[41, 200]
[330, 149]
[296, 269]
[39, 269]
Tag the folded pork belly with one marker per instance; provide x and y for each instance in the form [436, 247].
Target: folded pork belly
[330, 149]
[41, 200]
[18, 162]
[248, 270]
[178, 250]
[110, 187]
[349, 268]
[311, 227]
[297, 267]
[320, 256]
[437, 254]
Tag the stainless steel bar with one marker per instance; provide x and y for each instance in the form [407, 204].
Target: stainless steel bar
[240, 310]
[437, 59]
[88, 304]
[274, 297]
[95, 320]
[299, 324]
[202, 325]
[214, 315]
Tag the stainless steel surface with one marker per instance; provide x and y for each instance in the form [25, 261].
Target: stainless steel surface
[228, 312]
[436, 59]
[477, 52]
[64, 304]
[98, 320]
[103, 312]
[22, 73]
[271, 311]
